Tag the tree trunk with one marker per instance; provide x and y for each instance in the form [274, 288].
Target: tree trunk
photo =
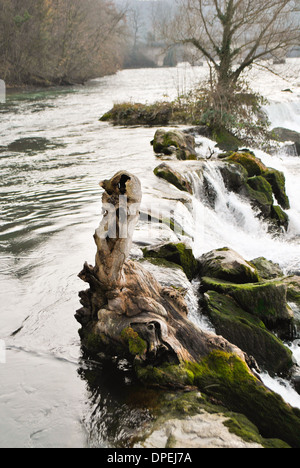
[124, 304]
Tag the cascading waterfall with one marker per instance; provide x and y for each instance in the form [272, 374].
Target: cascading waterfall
[225, 219]
[284, 114]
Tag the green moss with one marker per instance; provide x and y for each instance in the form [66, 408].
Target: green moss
[226, 141]
[261, 185]
[247, 332]
[176, 253]
[136, 345]
[267, 300]
[225, 377]
[277, 181]
[172, 177]
[161, 262]
[253, 165]
[241, 426]
[228, 379]
[165, 375]
[279, 216]
[94, 343]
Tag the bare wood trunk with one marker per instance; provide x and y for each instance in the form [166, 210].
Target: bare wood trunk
[123, 296]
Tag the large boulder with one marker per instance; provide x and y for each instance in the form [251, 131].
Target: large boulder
[248, 332]
[228, 265]
[254, 315]
[266, 300]
[174, 142]
[253, 165]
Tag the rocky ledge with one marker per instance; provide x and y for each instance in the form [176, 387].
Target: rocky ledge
[244, 174]
[127, 314]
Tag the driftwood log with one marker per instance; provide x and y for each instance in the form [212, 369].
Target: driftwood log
[123, 297]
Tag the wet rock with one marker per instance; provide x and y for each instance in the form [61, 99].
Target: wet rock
[203, 430]
[285, 134]
[166, 172]
[247, 331]
[259, 184]
[277, 182]
[128, 113]
[228, 265]
[266, 301]
[279, 217]
[234, 175]
[253, 165]
[169, 142]
[179, 254]
[259, 192]
[267, 269]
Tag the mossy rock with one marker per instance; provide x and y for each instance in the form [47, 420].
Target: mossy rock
[226, 141]
[175, 142]
[228, 265]
[161, 262]
[179, 254]
[252, 164]
[183, 405]
[247, 332]
[267, 270]
[293, 289]
[234, 175]
[260, 185]
[266, 301]
[277, 180]
[226, 378]
[164, 171]
[128, 113]
[279, 217]
[259, 191]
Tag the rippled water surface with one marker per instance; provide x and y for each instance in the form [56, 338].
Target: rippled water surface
[53, 153]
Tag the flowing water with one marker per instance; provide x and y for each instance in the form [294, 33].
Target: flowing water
[53, 153]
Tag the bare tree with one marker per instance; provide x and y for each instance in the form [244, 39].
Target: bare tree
[233, 34]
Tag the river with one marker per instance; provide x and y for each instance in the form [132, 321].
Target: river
[53, 153]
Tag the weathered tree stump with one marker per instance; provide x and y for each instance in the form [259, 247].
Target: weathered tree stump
[126, 312]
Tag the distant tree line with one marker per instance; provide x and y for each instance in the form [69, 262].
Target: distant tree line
[46, 42]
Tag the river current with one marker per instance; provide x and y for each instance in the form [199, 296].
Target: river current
[53, 153]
